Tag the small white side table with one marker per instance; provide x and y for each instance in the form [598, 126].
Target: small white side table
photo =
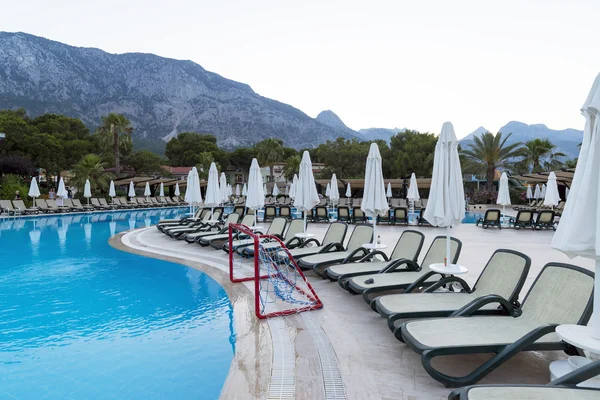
[304, 235]
[579, 336]
[449, 270]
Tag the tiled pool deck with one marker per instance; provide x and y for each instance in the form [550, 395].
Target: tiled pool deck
[373, 364]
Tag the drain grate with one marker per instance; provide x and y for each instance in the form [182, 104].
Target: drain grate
[283, 373]
[332, 377]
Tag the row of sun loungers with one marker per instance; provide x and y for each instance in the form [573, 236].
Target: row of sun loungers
[485, 318]
[17, 207]
[545, 219]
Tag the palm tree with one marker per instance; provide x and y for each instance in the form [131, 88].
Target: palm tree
[268, 152]
[540, 155]
[115, 132]
[490, 152]
[292, 165]
[91, 167]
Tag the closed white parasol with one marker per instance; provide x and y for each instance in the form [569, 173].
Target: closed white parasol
[87, 190]
[446, 206]
[34, 190]
[256, 197]
[61, 192]
[578, 233]
[374, 202]
[552, 198]
[306, 191]
[503, 193]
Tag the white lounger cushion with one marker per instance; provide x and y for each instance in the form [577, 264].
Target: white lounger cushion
[473, 331]
[340, 269]
[531, 393]
[325, 257]
[392, 278]
[423, 302]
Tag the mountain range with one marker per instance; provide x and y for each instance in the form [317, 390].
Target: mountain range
[566, 141]
[163, 97]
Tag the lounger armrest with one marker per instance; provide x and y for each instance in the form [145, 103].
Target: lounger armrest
[331, 246]
[313, 240]
[372, 254]
[352, 255]
[478, 303]
[581, 374]
[293, 242]
[420, 282]
[395, 264]
[445, 281]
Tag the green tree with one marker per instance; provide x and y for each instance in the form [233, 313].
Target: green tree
[539, 155]
[490, 152]
[146, 163]
[346, 158]
[292, 166]
[185, 149]
[412, 151]
[269, 152]
[115, 133]
[91, 167]
[571, 163]
[203, 165]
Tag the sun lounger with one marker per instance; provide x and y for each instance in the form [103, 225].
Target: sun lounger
[285, 211]
[43, 206]
[336, 253]
[198, 215]
[77, 203]
[195, 237]
[408, 247]
[358, 216]
[53, 206]
[523, 219]
[96, 204]
[24, 210]
[289, 239]
[499, 285]
[561, 294]
[240, 210]
[8, 208]
[196, 226]
[571, 386]
[211, 240]
[208, 228]
[192, 223]
[403, 276]
[334, 236]
[400, 216]
[421, 221]
[344, 214]
[276, 228]
[491, 218]
[70, 206]
[545, 220]
[320, 214]
[270, 213]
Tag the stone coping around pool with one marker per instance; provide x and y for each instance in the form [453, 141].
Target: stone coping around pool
[280, 358]
[249, 373]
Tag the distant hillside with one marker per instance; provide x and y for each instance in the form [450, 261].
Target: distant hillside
[162, 97]
[566, 140]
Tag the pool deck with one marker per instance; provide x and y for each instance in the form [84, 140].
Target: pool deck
[372, 363]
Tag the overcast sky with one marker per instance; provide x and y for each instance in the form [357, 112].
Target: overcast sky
[385, 64]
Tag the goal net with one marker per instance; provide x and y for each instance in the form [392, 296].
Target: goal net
[280, 287]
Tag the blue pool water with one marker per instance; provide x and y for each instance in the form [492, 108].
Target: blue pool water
[81, 320]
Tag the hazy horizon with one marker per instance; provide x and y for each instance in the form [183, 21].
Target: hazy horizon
[384, 65]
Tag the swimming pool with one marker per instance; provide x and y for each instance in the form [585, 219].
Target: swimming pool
[79, 319]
